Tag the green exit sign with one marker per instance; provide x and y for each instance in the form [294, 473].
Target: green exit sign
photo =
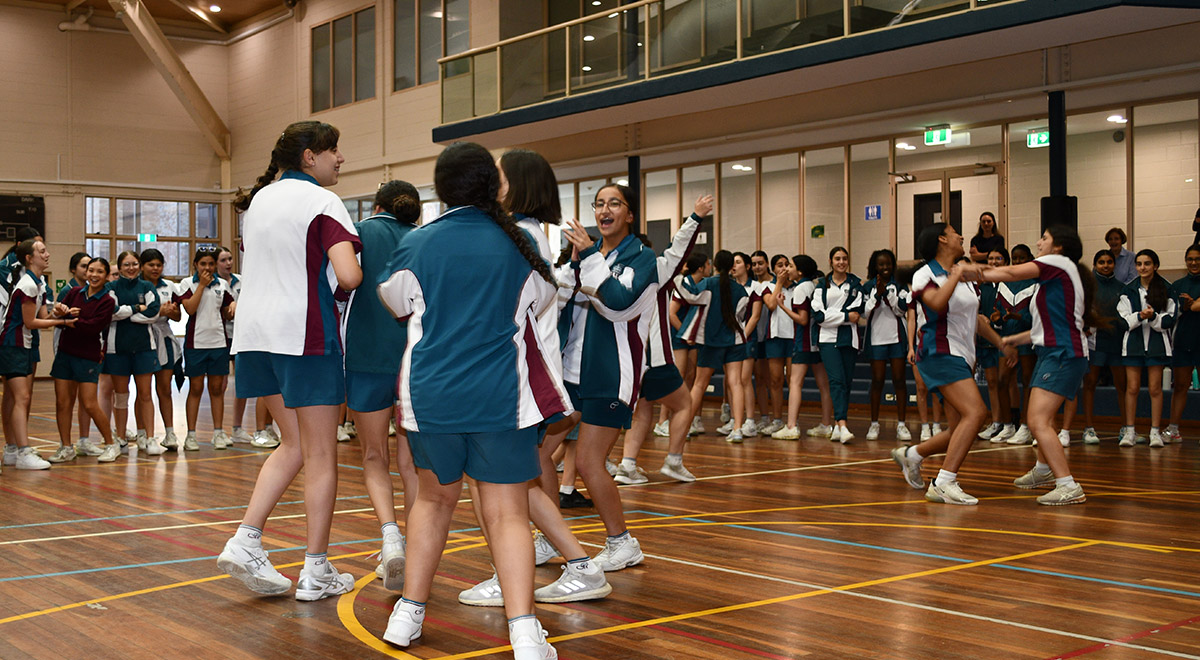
[937, 136]
[1037, 139]
[147, 238]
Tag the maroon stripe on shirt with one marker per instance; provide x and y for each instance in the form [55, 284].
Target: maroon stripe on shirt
[540, 383]
[637, 351]
[323, 233]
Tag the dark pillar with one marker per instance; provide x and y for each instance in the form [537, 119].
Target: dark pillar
[1059, 208]
[635, 183]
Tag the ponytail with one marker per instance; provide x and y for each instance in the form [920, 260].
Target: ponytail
[724, 263]
[288, 154]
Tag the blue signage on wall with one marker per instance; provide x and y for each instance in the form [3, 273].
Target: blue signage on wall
[874, 212]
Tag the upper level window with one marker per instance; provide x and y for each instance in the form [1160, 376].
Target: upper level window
[427, 30]
[343, 60]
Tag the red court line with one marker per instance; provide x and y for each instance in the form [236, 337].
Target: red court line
[1138, 635]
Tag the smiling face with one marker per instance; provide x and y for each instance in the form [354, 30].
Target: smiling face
[39, 260]
[97, 274]
[995, 259]
[152, 270]
[987, 224]
[884, 267]
[1145, 267]
[1021, 257]
[840, 262]
[129, 267]
[1114, 241]
[1106, 265]
[1045, 245]
[614, 218]
[324, 166]
[1192, 260]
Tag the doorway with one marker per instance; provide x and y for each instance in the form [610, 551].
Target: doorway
[957, 195]
[927, 210]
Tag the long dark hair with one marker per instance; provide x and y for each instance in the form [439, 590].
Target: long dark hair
[631, 200]
[927, 240]
[466, 175]
[1072, 248]
[829, 275]
[289, 152]
[532, 187]
[806, 266]
[872, 270]
[995, 226]
[401, 199]
[695, 262]
[75, 259]
[723, 262]
[1156, 292]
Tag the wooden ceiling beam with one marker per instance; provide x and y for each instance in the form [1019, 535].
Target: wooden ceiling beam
[150, 37]
[200, 15]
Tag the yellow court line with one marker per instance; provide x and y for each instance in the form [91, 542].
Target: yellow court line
[780, 599]
[147, 462]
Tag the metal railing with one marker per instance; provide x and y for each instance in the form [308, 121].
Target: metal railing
[632, 42]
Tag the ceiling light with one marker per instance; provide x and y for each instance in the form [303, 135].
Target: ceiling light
[587, 68]
[216, 9]
[588, 37]
[909, 147]
[1117, 119]
[436, 14]
[622, 182]
[596, 3]
[613, 15]
[639, 44]
[1188, 180]
[901, 145]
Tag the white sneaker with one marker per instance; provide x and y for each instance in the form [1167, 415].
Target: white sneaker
[29, 459]
[169, 440]
[771, 428]
[391, 560]
[677, 472]
[404, 624]
[911, 468]
[787, 433]
[528, 640]
[749, 428]
[63, 454]
[1090, 437]
[10, 454]
[584, 581]
[662, 430]
[1156, 439]
[624, 475]
[734, 437]
[484, 594]
[697, 427]
[323, 583]
[1021, 437]
[1008, 431]
[724, 413]
[1035, 479]
[1128, 436]
[820, 431]
[902, 432]
[221, 439]
[726, 428]
[925, 434]
[189, 442]
[846, 436]
[991, 430]
[87, 448]
[949, 493]
[937, 428]
[351, 430]
[1064, 438]
[1172, 434]
[873, 431]
[264, 440]
[251, 565]
[543, 550]
[153, 447]
[619, 553]
[239, 436]
[110, 453]
[139, 438]
[610, 467]
[1063, 495]
[271, 430]
[342, 435]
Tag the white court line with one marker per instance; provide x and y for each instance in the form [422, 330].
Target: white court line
[929, 608]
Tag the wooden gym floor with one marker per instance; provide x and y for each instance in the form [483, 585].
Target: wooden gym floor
[781, 550]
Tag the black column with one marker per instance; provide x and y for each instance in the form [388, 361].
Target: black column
[634, 177]
[1059, 208]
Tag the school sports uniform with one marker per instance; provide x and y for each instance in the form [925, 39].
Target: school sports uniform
[62, 293]
[687, 312]
[1057, 309]
[885, 337]
[287, 339]
[1185, 340]
[946, 340]
[606, 324]
[492, 360]
[19, 345]
[132, 350]
[1105, 345]
[779, 328]
[1147, 342]
[1014, 298]
[662, 376]
[756, 340]
[837, 337]
[234, 284]
[205, 345]
[719, 344]
[375, 340]
[804, 347]
[548, 319]
[166, 346]
[81, 347]
[987, 355]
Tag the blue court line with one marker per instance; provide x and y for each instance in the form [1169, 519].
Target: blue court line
[210, 557]
[959, 560]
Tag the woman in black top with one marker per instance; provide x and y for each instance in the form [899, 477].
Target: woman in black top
[986, 239]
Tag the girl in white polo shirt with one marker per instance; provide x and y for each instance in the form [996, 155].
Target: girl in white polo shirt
[165, 344]
[301, 249]
[208, 302]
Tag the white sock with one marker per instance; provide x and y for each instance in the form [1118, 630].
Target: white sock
[391, 528]
[945, 477]
[630, 464]
[315, 563]
[566, 490]
[1067, 481]
[248, 535]
[912, 455]
[1041, 467]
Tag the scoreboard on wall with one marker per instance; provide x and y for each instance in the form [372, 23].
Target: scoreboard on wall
[17, 211]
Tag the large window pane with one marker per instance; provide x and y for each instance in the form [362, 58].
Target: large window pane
[873, 14]
[206, 221]
[870, 201]
[770, 25]
[780, 179]
[177, 256]
[824, 187]
[97, 214]
[404, 59]
[430, 40]
[127, 212]
[662, 208]
[566, 200]
[1164, 179]
[739, 208]
[1096, 175]
[343, 60]
[364, 55]
[321, 90]
[458, 21]
[587, 195]
[99, 247]
[697, 181]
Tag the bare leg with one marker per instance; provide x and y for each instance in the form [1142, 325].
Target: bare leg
[120, 386]
[992, 375]
[679, 403]
[280, 468]
[1088, 394]
[166, 407]
[734, 376]
[639, 428]
[506, 508]
[216, 400]
[1133, 384]
[900, 385]
[1181, 380]
[746, 383]
[192, 407]
[22, 389]
[1154, 378]
[431, 514]
[877, 373]
[1043, 404]
[373, 436]
[144, 401]
[318, 441]
[64, 401]
[822, 378]
[795, 384]
[775, 367]
[88, 401]
[592, 447]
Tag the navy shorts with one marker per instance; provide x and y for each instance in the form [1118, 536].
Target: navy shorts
[130, 364]
[303, 380]
[16, 362]
[1145, 361]
[941, 369]
[497, 457]
[370, 392]
[1185, 358]
[778, 349]
[678, 344]
[1058, 371]
[75, 369]
[896, 351]
[802, 356]
[659, 382]
[716, 357]
[609, 413]
[1105, 359]
[199, 362]
[169, 347]
[987, 356]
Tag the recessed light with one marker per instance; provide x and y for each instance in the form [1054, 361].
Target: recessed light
[587, 68]
[622, 182]
[596, 3]
[588, 37]
[1188, 180]
[639, 44]
[613, 15]
[901, 145]
[1117, 119]
[216, 9]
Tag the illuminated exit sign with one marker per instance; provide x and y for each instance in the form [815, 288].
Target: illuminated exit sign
[147, 238]
[936, 136]
[1037, 139]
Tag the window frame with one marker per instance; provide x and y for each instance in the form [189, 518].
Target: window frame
[191, 240]
[354, 58]
[416, 44]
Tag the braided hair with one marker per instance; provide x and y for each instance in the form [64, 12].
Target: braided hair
[288, 154]
[465, 175]
[401, 199]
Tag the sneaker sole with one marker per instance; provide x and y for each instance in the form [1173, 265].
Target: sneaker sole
[1078, 500]
[400, 641]
[1040, 484]
[633, 562]
[253, 582]
[482, 602]
[678, 477]
[626, 481]
[309, 595]
[591, 594]
[393, 574]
